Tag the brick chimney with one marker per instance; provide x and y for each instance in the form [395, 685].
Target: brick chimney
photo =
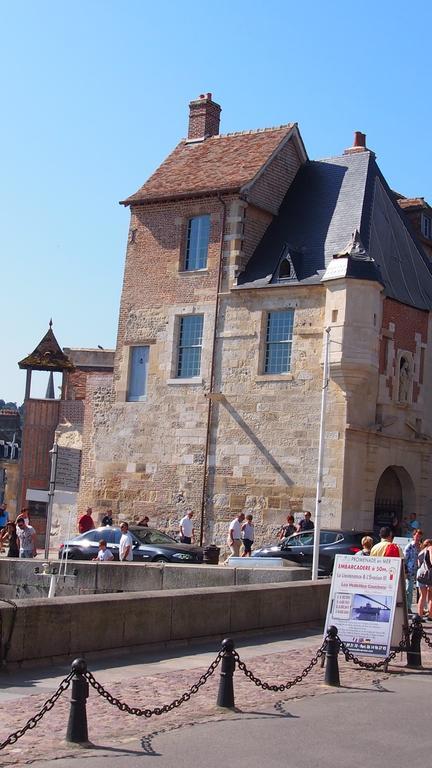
[359, 144]
[204, 117]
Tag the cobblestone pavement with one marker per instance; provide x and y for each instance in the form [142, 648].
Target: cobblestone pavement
[108, 725]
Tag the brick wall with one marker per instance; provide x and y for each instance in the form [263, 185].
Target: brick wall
[152, 278]
[271, 187]
[405, 329]
[75, 388]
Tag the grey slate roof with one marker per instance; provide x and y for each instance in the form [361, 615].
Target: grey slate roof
[326, 204]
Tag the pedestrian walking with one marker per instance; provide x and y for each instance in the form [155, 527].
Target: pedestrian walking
[26, 537]
[144, 522]
[187, 530]
[424, 580]
[248, 535]
[367, 544]
[411, 554]
[288, 529]
[234, 535]
[126, 544]
[104, 553]
[85, 523]
[305, 523]
[10, 537]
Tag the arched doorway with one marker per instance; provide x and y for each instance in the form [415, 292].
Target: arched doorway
[394, 499]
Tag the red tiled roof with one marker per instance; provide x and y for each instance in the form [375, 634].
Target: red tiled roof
[219, 163]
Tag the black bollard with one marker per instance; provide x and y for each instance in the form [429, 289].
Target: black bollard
[226, 688]
[332, 650]
[414, 660]
[77, 726]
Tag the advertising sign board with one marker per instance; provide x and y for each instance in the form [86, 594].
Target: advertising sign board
[365, 593]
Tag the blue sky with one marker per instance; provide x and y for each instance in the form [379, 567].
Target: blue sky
[95, 95]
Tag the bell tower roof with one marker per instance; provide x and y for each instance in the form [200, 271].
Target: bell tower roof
[48, 355]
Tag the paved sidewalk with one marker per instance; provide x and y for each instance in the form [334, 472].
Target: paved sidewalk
[327, 731]
[149, 681]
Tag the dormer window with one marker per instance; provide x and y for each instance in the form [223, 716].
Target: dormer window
[198, 235]
[285, 269]
[426, 226]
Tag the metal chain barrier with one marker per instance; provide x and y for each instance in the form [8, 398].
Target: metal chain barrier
[283, 686]
[373, 666]
[80, 676]
[33, 721]
[157, 710]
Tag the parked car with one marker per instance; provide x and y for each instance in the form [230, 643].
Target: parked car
[298, 548]
[149, 545]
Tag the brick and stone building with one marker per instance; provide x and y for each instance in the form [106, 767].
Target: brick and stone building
[241, 253]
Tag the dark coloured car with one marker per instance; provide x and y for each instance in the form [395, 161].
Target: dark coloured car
[149, 545]
[298, 548]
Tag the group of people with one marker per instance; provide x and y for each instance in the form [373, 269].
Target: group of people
[19, 536]
[86, 522]
[241, 531]
[417, 556]
[125, 547]
[290, 527]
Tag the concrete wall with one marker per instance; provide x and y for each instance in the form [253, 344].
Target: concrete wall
[72, 626]
[18, 578]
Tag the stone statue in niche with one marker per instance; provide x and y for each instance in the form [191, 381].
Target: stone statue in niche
[405, 376]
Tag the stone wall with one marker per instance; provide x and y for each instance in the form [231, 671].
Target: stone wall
[88, 625]
[19, 580]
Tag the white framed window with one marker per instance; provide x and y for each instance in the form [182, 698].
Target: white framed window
[189, 346]
[138, 373]
[278, 343]
[426, 226]
[197, 242]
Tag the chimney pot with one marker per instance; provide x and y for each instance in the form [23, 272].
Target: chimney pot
[359, 139]
[204, 117]
[359, 144]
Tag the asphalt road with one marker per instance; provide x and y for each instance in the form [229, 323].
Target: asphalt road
[380, 727]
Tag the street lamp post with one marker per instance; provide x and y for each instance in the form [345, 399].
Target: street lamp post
[53, 452]
[317, 522]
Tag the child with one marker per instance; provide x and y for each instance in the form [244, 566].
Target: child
[248, 533]
[367, 544]
[104, 553]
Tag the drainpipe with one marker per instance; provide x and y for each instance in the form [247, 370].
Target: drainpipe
[212, 373]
